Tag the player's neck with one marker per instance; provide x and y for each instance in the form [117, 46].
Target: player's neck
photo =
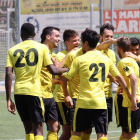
[48, 45]
[90, 49]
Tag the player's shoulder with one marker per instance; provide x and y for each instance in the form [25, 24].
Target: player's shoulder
[64, 52]
[75, 53]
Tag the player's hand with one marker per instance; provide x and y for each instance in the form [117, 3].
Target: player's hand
[120, 92]
[56, 81]
[134, 105]
[68, 102]
[11, 107]
[129, 54]
[114, 80]
[74, 49]
[55, 61]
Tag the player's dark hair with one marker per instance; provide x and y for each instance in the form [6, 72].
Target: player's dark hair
[134, 41]
[69, 33]
[124, 43]
[106, 26]
[47, 31]
[27, 30]
[92, 37]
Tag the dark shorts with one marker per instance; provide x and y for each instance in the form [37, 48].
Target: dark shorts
[65, 114]
[118, 109]
[30, 107]
[109, 102]
[83, 118]
[131, 119]
[51, 109]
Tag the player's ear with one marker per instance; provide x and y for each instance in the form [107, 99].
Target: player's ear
[86, 43]
[101, 38]
[34, 34]
[66, 43]
[47, 37]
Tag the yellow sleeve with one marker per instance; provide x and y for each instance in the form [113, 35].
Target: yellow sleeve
[8, 60]
[128, 70]
[46, 57]
[68, 60]
[112, 69]
[73, 70]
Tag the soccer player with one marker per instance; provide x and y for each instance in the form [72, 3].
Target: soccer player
[71, 40]
[129, 68]
[74, 84]
[93, 69]
[106, 34]
[26, 59]
[50, 37]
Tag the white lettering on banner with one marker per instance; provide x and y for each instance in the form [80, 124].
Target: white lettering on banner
[106, 15]
[122, 14]
[122, 26]
[125, 21]
[133, 26]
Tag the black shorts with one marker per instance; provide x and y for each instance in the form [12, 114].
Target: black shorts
[65, 114]
[83, 118]
[30, 107]
[109, 102]
[118, 110]
[131, 119]
[51, 109]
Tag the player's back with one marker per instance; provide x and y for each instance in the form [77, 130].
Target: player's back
[128, 66]
[27, 58]
[93, 69]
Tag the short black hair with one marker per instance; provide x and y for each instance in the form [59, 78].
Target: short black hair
[135, 41]
[91, 36]
[69, 33]
[124, 43]
[28, 29]
[105, 26]
[47, 31]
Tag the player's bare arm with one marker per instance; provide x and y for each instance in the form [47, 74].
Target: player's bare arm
[123, 84]
[55, 70]
[68, 99]
[56, 81]
[129, 54]
[133, 82]
[113, 79]
[106, 44]
[8, 85]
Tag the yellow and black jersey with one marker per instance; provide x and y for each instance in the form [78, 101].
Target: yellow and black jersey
[58, 91]
[27, 59]
[128, 66]
[93, 68]
[74, 83]
[107, 86]
[46, 79]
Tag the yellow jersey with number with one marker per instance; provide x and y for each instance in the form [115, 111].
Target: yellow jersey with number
[128, 66]
[74, 83]
[107, 85]
[58, 91]
[46, 79]
[27, 59]
[93, 68]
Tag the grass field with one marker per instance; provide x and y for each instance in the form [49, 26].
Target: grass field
[11, 127]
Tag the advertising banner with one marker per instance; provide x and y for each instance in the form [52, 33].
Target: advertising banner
[126, 22]
[78, 21]
[55, 6]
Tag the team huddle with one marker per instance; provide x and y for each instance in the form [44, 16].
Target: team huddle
[73, 87]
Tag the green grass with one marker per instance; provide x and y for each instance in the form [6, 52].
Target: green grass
[11, 127]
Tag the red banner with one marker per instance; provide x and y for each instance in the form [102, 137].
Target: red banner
[125, 21]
